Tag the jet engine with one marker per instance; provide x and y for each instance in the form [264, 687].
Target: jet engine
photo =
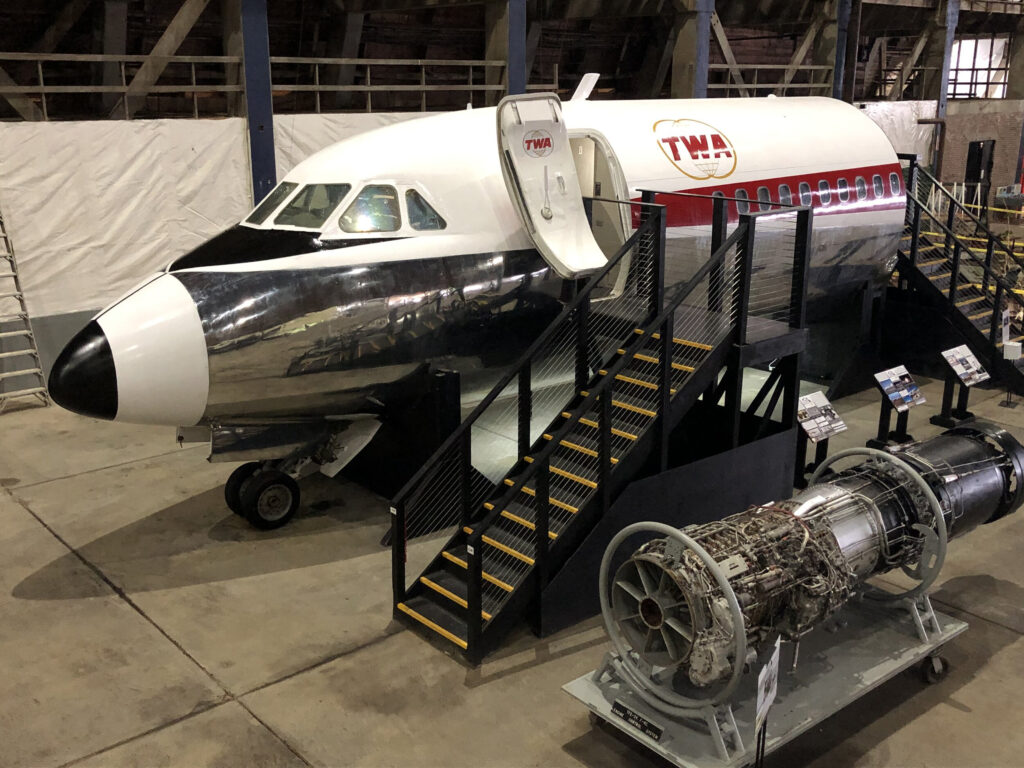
[686, 611]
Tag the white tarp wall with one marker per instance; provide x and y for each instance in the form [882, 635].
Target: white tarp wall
[94, 207]
[898, 121]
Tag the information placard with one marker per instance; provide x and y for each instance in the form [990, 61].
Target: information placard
[767, 686]
[899, 386]
[965, 365]
[818, 418]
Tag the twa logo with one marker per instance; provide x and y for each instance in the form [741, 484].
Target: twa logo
[538, 144]
[697, 149]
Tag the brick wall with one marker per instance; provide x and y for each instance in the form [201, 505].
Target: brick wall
[968, 121]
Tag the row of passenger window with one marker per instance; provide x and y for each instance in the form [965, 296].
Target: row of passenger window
[375, 209]
[825, 192]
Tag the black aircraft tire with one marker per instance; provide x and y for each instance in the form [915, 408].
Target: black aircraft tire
[233, 487]
[270, 499]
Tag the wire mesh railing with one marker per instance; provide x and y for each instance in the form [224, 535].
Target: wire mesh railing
[599, 380]
[971, 273]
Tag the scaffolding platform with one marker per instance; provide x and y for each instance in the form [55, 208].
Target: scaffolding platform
[862, 646]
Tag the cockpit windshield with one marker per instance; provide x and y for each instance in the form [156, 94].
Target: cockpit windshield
[270, 202]
[311, 207]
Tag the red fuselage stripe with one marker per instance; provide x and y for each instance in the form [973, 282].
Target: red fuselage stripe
[823, 188]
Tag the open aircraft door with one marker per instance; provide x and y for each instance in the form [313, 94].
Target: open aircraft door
[540, 174]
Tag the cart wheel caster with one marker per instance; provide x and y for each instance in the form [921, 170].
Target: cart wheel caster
[594, 720]
[236, 481]
[270, 499]
[934, 669]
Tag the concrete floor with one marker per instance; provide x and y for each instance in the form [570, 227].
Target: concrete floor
[142, 624]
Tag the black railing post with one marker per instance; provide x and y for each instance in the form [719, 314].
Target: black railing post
[658, 265]
[542, 523]
[915, 233]
[604, 450]
[989, 249]
[746, 255]
[665, 388]
[474, 599]
[954, 276]
[525, 408]
[582, 344]
[801, 270]
[996, 321]
[950, 217]
[719, 228]
[466, 476]
[398, 545]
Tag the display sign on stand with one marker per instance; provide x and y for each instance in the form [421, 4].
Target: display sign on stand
[1011, 353]
[899, 393]
[819, 421]
[965, 371]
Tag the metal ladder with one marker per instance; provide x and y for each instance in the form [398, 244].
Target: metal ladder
[17, 342]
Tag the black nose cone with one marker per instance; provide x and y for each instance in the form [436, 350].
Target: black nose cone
[83, 379]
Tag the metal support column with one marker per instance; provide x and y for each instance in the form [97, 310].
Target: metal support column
[259, 106]
[842, 30]
[517, 73]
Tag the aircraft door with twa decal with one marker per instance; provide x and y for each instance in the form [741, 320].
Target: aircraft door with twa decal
[540, 174]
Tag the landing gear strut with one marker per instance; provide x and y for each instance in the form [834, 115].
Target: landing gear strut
[262, 494]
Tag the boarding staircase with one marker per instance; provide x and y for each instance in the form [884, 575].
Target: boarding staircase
[592, 403]
[951, 258]
[21, 372]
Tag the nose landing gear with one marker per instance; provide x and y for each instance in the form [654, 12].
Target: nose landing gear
[262, 494]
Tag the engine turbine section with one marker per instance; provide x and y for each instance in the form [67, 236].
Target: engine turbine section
[686, 611]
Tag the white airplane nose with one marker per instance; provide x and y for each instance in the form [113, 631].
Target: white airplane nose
[158, 349]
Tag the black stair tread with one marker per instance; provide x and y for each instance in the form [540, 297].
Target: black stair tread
[566, 495]
[639, 380]
[645, 404]
[523, 516]
[620, 426]
[455, 585]
[495, 570]
[579, 470]
[586, 443]
[647, 362]
[437, 618]
[509, 537]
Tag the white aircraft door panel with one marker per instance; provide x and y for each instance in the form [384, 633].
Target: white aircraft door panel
[540, 174]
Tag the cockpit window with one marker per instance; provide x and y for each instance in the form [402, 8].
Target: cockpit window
[311, 207]
[270, 202]
[422, 216]
[374, 210]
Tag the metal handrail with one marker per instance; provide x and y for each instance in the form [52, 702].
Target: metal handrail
[606, 381]
[977, 222]
[528, 355]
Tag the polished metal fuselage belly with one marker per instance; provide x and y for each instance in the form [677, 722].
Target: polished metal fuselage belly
[283, 342]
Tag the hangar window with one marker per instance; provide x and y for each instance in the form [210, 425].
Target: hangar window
[894, 182]
[765, 197]
[786, 195]
[422, 215]
[375, 209]
[311, 207]
[824, 193]
[879, 186]
[742, 206]
[862, 188]
[270, 202]
[806, 198]
[844, 190]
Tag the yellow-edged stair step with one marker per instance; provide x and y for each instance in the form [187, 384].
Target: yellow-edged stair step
[563, 473]
[965, 302]
[979, 315]
[450, 595]
[436, 627]
[551, 499]
[502, 547]
[627, 406]
[596, 425]
[684, 342]
[580, 448]
[939, 275]
[487, 577]
[657, 361]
